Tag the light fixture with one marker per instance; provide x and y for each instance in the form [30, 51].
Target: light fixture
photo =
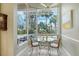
[43, 4]
[53, 5]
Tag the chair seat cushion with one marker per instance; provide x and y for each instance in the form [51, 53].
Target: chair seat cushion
[35, 43]
[54, 45]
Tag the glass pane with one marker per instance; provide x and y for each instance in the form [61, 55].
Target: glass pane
[32, 22]
[51, 21]
[41, 24]
[21, 27]
[47, 20]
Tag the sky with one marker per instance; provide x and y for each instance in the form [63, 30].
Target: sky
[21, 18]
[43, 19]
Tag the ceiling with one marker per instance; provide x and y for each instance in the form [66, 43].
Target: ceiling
[41, 5]
[36, 5]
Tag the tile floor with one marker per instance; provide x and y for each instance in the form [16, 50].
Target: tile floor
[42, 51]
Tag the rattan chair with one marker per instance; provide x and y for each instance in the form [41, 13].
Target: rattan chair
[55, 44]
[34, 43]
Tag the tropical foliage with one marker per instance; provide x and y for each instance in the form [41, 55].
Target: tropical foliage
[45, 28]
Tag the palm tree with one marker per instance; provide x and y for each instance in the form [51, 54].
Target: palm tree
[47, 15]
[32, 24]
[53, 20]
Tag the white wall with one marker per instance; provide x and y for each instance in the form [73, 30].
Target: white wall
[0, 33]
[7, 41]
[70, 37]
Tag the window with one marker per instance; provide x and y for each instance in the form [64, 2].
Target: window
[32, 22]
[47, 21]
[21, 27]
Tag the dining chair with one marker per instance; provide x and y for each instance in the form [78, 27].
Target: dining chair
[55, 44]
[35, 44]
[43, 45]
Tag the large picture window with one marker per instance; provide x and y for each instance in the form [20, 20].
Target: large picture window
[40, 21]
